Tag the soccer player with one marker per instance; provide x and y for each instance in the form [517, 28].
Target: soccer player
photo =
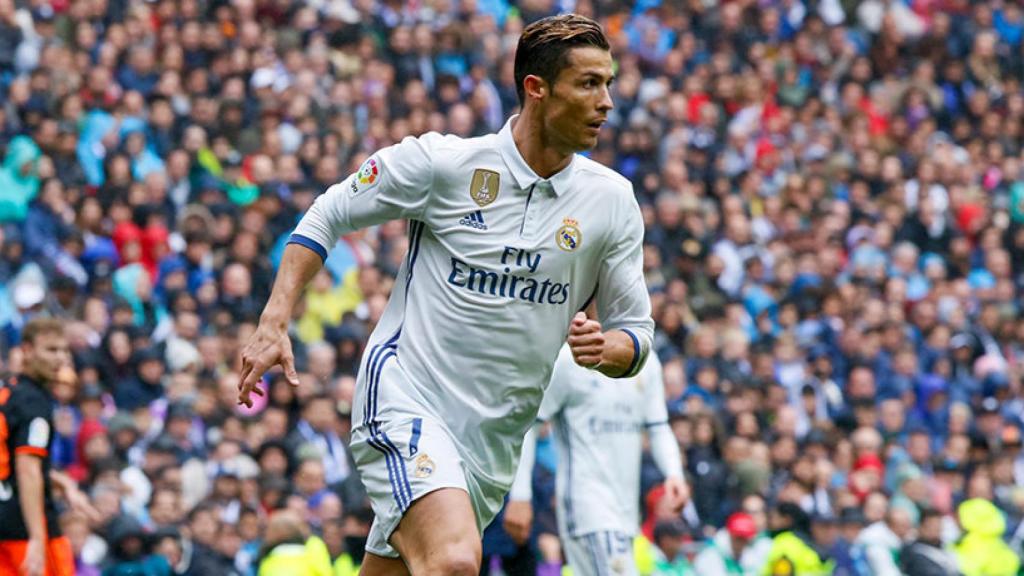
[598, 426]
[511, 234]
[30, 539]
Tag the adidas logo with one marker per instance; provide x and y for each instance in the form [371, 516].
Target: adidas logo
[474, 220]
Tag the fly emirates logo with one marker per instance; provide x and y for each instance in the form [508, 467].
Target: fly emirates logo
[514, 281]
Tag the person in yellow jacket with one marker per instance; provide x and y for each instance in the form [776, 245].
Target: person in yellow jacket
[345, 565]
[326, 304]
[981, 551]
[346, 540]
[792, 552]
[289, 550]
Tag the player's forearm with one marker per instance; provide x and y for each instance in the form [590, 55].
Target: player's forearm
[30, 494]
[665, 451]
[620, 355]
[298, 266]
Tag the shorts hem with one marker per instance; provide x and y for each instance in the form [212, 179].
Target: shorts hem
[388, 526]
[392, 554]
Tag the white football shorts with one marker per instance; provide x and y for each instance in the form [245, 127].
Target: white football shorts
[405, 458]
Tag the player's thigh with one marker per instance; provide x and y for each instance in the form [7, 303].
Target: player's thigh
[374, 565]
[439, 527]
[600, 554]
[409, 459]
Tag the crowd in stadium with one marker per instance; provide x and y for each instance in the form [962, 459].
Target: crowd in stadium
[833, 195]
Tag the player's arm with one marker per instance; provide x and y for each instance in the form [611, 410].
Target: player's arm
[620, 347]
[270, 345]
[393, 183]
[29, 470]
[664, 447]
[518, 520]
[31, 444]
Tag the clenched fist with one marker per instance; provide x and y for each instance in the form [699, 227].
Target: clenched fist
[586, 341]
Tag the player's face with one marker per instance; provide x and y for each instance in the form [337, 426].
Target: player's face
[579, 100]
[46, 357]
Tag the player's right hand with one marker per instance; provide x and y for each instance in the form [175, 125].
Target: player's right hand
[268, 346]
[518, 520]
[35, 558]
[677, 492]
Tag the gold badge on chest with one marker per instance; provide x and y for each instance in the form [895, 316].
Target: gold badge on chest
[484, 187]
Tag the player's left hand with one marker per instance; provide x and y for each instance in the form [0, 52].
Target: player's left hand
[677, 492]
[518, 520]
[35, 558]
[586, 341]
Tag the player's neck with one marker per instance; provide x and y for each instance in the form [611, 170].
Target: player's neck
[34, 378]
[538, 152]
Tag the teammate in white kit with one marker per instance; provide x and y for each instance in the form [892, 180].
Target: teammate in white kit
[511, 234]
[598, 425]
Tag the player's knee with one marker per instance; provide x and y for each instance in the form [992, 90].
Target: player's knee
[461, 560]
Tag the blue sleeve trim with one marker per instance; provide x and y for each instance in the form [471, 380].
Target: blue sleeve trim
[655, 424]
[309, 243]
[636, 352]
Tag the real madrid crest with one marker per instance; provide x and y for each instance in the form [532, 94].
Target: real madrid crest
[484, 187]
[569, 236]
[424, 466]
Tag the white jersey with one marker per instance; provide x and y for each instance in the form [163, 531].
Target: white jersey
[598, 424]
[499, 262]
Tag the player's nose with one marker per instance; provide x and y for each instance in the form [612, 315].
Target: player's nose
[606, 103]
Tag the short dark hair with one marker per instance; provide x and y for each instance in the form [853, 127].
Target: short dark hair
[544, 46]
[39, 326]
[928, 513]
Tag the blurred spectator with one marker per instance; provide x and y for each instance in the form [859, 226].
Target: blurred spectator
[130, 552]
[288, 549]
[739, 548]
[926, 555]
[793, 548]
[981, 550]
[664, 554]
[877, 547]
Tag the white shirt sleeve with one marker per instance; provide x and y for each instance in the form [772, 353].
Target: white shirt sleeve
[622, 299]
[393, 183]
[522, 484]
[664, 447]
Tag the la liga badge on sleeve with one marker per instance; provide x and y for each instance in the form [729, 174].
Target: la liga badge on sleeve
[367, 177]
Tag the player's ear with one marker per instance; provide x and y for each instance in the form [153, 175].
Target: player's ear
[535, 87]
